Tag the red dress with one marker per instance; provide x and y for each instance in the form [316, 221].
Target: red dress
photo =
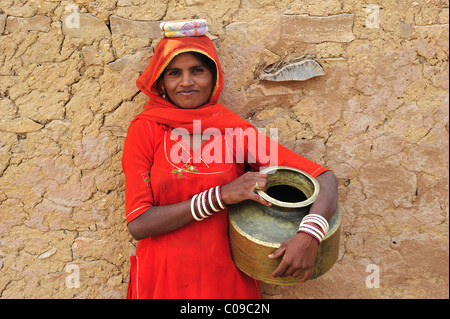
[193, 261]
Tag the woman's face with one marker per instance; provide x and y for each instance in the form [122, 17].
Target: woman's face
[188, 82]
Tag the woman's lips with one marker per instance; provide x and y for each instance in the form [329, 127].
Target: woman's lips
[187, 93]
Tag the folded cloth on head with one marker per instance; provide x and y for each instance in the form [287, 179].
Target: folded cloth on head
[184, 28]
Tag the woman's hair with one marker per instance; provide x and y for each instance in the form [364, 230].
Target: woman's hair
[206, 61]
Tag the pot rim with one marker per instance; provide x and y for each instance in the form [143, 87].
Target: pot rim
[307, 202]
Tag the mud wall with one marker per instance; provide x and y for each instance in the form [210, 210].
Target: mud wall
[378, 118]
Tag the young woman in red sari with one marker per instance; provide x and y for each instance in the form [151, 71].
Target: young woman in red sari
[180, 254]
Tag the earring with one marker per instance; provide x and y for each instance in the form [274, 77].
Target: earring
[163, 94]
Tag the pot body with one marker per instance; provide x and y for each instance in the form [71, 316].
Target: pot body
[256, 230]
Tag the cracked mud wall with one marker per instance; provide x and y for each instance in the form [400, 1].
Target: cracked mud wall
[378, 118]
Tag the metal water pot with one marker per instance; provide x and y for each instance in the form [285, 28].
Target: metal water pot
[256, 230]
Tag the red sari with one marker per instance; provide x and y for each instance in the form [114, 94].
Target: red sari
[160, 169]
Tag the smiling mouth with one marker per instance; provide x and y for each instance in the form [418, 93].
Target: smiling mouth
[187, 92]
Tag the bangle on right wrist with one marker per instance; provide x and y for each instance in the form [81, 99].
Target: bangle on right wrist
[207, 203]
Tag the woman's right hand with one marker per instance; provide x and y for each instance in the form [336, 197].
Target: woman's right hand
[243, 188]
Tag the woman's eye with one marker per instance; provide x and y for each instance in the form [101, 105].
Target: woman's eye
[174, 72]
[197, 70]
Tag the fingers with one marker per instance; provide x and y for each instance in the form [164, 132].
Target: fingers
[243, 188]
[284, 269]
[290, 266]
[297, 273]
[280, 271]
[255, 181]
[277, 253]
[282, 266]
[306, 275]
[259, 199]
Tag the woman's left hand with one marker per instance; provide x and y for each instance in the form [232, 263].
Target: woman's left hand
[299, 253]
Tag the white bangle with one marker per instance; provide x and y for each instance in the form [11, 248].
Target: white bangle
[315, 222]
[210, 200]
[218, 198]
[312, 228]
[203, 201]
[311, 232]
[318, 220]
[199, 207]
[192, 209]
[319, 217]
[203, 204]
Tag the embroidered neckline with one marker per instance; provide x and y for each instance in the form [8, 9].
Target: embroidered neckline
[190, 168]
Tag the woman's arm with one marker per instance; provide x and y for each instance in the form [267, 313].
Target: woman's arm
[327, 201]
[299, 252]
[158, 220]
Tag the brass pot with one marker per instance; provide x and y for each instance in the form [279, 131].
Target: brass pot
[256, 230]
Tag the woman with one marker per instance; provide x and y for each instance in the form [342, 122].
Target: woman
[180, 253]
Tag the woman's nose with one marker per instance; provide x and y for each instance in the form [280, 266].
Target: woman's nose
[187, 80]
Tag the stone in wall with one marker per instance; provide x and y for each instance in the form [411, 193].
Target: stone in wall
[2, 22]
[305, 28]
[42, 107]
[299, 71]
[36, 23]
[19, 125]
[137, 61]
[142, 10]
[139, 29]
[88, 27]
[128, 36]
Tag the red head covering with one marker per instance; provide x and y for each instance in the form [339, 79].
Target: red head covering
[162, 111]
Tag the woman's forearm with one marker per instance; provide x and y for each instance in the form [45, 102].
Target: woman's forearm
[158, 220]
[327, 201]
